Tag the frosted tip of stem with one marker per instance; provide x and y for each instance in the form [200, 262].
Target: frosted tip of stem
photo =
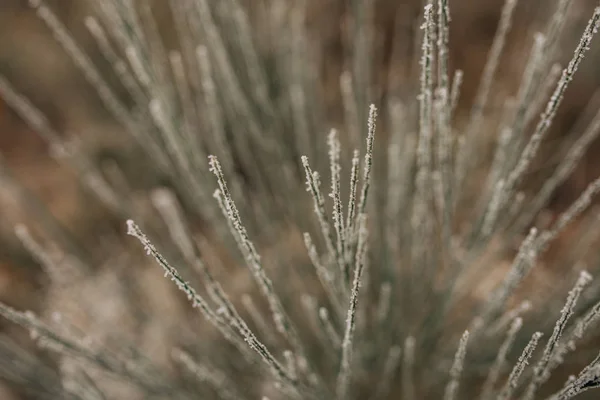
[372, 115]
[175, 57]
[132, 228]
[155, 106]
[161, 196]
[91, 23]
[518, 323]
[21, 230]
[202, 51]
[323, 313]
[585, 276]
[214, 163]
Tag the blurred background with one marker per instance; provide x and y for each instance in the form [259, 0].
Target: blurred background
[34, 63]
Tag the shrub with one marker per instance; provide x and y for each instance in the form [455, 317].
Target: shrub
[396, 285]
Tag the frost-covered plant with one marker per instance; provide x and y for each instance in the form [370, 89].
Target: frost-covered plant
[392, 283]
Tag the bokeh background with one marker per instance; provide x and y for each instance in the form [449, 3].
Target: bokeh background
[36, 65]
